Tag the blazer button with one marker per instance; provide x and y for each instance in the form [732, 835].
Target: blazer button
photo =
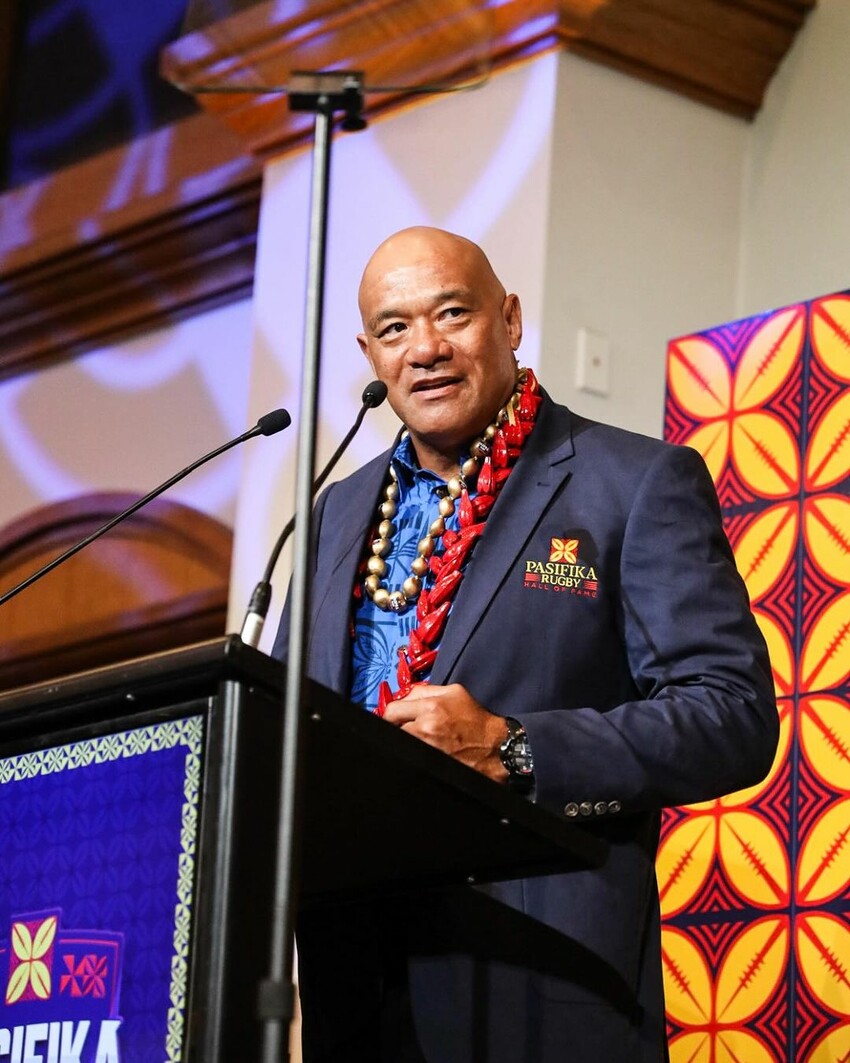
[614, 806]
[585, 808]
[571, 809]
[600, 808]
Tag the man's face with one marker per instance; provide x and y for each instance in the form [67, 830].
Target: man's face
[440, 332]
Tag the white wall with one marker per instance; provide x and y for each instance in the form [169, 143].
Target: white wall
[643, 230]
[796, 207]
[473, 162]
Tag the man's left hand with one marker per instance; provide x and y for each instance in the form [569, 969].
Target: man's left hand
[450, 719]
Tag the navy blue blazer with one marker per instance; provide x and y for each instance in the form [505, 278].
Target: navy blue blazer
[602, 608]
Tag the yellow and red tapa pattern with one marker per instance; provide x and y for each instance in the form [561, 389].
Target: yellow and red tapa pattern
[755, 887]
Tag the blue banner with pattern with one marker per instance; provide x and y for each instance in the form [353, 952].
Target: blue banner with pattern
[98, 842]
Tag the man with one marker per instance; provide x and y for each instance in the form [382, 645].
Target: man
[552, 602]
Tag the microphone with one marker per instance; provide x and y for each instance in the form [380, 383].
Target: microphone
[258, 608]
[268, 425]
[373, 395]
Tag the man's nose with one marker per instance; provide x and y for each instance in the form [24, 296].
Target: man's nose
[428, 345]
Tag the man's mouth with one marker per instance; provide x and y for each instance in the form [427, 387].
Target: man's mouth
[434, 384]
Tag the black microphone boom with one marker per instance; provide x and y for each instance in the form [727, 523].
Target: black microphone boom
[267, 425]
[258, 608]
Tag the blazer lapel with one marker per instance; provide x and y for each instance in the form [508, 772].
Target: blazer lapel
[342, 545]
[538, 475]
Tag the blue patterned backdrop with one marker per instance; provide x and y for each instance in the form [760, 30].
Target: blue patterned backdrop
[98, 842]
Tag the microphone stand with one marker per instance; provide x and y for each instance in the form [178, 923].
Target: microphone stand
[322, 93]
[258, 608]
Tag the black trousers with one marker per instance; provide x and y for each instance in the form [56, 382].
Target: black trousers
[491, 985]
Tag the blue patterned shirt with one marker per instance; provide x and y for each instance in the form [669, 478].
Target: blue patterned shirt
[379, 634]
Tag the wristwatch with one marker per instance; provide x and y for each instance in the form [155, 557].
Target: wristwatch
[515, 754]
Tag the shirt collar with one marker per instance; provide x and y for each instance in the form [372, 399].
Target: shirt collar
[404, 461]
[407, 468]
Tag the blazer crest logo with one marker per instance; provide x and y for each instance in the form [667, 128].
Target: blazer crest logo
[563, 572]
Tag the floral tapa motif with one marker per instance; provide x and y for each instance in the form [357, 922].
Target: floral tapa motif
[826, 522]
[766, 547]
[754, 858]
[823, 952]
[825, 739]
[831, 334]
[823, 867]
[825, 661]
[836, 1045]
[782, 661]
[711, 1011]
[31, 943]
[761, 446]
[828, 454]
[565, 550]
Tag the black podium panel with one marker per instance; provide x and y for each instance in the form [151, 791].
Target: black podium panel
[384, 811]
[139, 805]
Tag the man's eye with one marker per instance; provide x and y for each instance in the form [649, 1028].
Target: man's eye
[455, 311]
[393, 329]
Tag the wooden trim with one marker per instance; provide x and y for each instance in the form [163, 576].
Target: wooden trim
[723, 52]
[158, 582]
[155, 629]
[146, 234]
[58, 525]
[129, 240]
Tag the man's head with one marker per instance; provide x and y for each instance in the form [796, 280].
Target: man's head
[440, 331]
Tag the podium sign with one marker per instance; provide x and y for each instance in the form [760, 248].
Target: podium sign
[137, 832]
[99, 839]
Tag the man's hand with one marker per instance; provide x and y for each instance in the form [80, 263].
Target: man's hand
[450, 719]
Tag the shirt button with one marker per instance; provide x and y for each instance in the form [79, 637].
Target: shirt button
[614, 806]
[600, 808]
[585, 808]
[571, 809]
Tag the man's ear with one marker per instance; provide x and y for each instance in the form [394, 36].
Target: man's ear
[512, 312]
[363, 342]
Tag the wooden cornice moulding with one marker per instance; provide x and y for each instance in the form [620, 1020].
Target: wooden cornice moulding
[128, 240]
[721, 52]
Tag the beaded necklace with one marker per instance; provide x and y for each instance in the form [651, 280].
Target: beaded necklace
[491, 461]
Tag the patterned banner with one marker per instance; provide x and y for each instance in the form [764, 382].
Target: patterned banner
[755, 887]
[98, 841]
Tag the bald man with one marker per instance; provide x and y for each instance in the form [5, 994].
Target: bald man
[552, 602]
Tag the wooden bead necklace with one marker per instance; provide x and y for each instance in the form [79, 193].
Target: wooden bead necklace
[491, 461]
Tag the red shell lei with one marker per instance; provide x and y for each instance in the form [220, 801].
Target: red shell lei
[434, 604]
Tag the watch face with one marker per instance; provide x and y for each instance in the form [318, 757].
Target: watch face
[520, 755]
[515, 751]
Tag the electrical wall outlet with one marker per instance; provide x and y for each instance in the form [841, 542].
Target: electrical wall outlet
[593, 363]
